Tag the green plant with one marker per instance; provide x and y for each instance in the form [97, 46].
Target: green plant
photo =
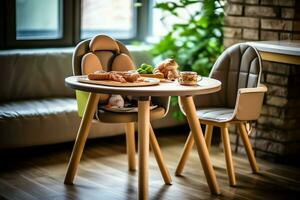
[196, 44]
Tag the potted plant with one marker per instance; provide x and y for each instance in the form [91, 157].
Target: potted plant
[195, 44]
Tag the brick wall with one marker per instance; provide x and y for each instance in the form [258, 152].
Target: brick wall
[276, 134]
[261, 20]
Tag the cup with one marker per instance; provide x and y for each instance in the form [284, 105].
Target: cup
[188, 78]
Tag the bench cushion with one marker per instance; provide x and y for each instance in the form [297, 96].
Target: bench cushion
[34, 74]
[45, 121]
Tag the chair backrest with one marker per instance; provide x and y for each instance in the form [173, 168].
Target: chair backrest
[239, 66]
[101, 53]
[106, 53]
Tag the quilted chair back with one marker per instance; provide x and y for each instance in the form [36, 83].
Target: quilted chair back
[101, 53]
[239, 66]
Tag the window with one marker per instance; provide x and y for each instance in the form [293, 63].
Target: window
[55, 23]
[38, 23]
[162, 22]
[32, 22]
[116, 18]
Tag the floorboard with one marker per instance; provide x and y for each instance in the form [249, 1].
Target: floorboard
[38, 173]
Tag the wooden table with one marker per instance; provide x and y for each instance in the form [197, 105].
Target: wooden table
[283, 51]
[206, 85]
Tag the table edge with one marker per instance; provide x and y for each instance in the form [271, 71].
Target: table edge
[145, 93]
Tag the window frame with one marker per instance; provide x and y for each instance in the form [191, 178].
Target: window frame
[66, 20]
[71, 26]
[2, 27]
[136, 15]
[143, 19]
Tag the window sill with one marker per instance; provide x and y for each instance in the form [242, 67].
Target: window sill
[139, 53]
[131, 48]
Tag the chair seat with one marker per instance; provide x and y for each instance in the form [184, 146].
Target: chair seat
[121, 117]
[219, 114]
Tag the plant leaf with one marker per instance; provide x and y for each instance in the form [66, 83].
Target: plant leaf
[196, 44]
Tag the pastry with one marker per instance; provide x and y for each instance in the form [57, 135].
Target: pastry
[122, 77]
[168, 68]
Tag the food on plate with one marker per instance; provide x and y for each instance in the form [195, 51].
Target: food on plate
[168, 68]
[102, 75]
[115, 100]
[145, 69]
[131, 77]
[165, 70]
[122, 77]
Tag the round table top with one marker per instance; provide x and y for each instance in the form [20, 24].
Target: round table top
[205, 86]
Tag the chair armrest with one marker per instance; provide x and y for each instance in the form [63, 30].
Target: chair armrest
[249, 103]
[162, 102]
[81, 98]
[261, 88]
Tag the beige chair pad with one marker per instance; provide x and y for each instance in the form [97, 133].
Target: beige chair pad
[216, 114]
[114, 117]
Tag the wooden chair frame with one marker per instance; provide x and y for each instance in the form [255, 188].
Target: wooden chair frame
[226, 146]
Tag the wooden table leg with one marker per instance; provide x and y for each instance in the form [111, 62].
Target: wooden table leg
[188, 148]
[190, 110]
[143, 146]
[82, 134]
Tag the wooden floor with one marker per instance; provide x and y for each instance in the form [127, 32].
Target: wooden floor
[38, 173]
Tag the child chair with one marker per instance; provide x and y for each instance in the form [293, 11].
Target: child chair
[239, 101]
[104, 53]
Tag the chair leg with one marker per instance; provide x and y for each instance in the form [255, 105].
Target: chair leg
[228, 156]
[248, 147]
[130, 146]
[188, 148]
[159, 157]
[208, 136]
[185, 154]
